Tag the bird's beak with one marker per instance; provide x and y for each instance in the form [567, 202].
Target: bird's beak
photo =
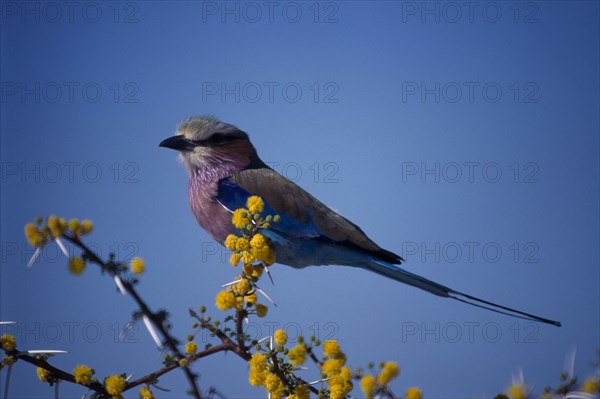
[179, 143]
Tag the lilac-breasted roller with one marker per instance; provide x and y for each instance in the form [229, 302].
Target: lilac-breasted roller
[225, 170]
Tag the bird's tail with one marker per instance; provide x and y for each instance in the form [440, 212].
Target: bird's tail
[399, 274]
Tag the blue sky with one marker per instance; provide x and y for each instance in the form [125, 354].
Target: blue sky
[464, 137]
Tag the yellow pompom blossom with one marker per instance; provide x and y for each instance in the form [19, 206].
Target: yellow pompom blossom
[251, 298]
[8, 342]
[56, 225]
[115, 384]
[368, 385]
[301, 392]
[280, 337]
[74, 225]
[413, 393]
[260, 249]
[235, 259]
[35, 236]
[146, 393]
[86, 227]
[297, 355]
[137, 265]
[191, 348]
[253, 271]
[76, 265]
[258, 369]
[331, 367]
[274, 386]
[225, 300]
[83, 374]
[389, 371]
[243, 286]
[255, 204]
[242, 244]
[517, 391]
[43, 374]
[261, 310]
[240, 218]
[591, 385]
[331, 348]
[230, 242]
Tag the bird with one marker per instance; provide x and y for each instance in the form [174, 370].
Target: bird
[225, 170]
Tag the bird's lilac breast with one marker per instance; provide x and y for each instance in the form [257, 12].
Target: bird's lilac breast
[208, 212]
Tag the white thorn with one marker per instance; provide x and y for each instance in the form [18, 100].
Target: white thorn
[2, 323]
[36, 255]
[46, 351]
[152, 331]
[231, 283]
[62, 246]
[319, 381]
[266, 296]
[120, 285]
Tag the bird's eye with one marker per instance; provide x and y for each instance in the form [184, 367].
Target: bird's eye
[217, 138]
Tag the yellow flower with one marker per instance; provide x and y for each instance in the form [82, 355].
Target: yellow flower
[137, 265]
[297, 355]
[83, 374]
[242, 244]
[591, 385]
[8, 360]
[280, 337]
[225, 300]
[251, 298]
[115, 384]
[240, 218]
[389, 372]
[34, 235]
[230, 242]
[517, 391]
[255, 204]
[146, 393]
[56, 225]
[261, 310]
[413, 393]
[242, 286]
[331, 367]
[258, 369]
[253, 271]
[331, 348]
[86, 226]
[257, 378]
[368, 385]
[8, 342]
[235, 259]
[191, 348]
[273, 385]
[74, 226]
[258, 240]
[76, 265]
[43, 374]
[301, 392]
[248, 257]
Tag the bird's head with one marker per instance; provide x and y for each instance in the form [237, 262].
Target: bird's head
[207, 144]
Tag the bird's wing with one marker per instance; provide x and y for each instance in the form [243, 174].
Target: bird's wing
[302, 215]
